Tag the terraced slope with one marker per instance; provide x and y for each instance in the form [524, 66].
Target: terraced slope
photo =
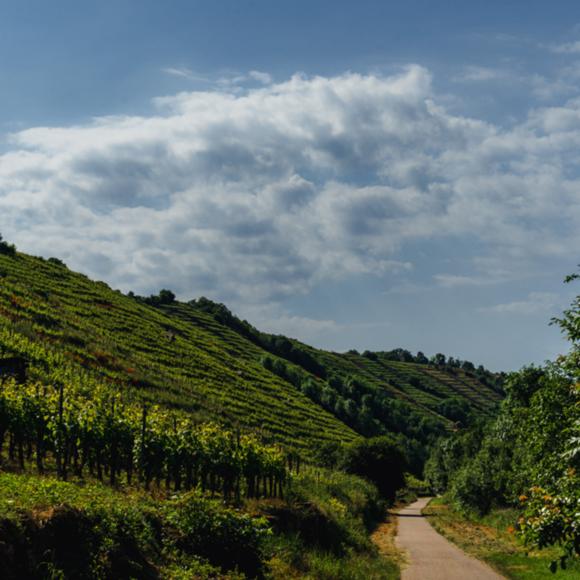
[422, 389]
[72, 329]
[427, 385]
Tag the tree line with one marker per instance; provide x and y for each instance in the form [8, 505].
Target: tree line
[529, 456]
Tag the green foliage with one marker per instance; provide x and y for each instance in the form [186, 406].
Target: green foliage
[492, 538]
[551, 517]
[121, 535]
[110, 356]
[393, 383]
[322, 531]
[492, 465]
[7, 249]
[164, 297]
[417, 487]
[104, 434]
[275, 344]
[375, 393]
[56, 262]
[201, 360]
[221, 535]
[380, 460]
[455, 409]
[86, 336]
[530, 456]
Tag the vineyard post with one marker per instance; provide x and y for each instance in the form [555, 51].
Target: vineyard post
[142, 464]
[113, 466]
[39, 433]
[59, 434]
[239, 474]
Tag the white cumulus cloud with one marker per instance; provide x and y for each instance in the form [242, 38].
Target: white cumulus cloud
[262, 193]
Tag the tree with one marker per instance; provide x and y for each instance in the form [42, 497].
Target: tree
[454, 409]
[551, 506]
[166, 296]
[399, 354]
[529, 456]
[381, 460]
[56, 262]
[468, 366]
[6, 248]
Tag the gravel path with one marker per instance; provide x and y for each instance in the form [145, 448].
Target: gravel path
[430, 555]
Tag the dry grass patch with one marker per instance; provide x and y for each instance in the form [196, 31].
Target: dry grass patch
[491, 538]
[384, 538]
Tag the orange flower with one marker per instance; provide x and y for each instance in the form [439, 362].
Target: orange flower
[523, 498]
[511, 529]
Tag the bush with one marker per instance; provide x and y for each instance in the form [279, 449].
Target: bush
[552, 518]
[380, 460]
[56, 262]
[57, 529]
[330, 454]
[164, 297]
[224, 536]
[6, 248]
[473, 488]
[455, 409]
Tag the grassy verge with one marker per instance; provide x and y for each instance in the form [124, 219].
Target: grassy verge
[323, 530]
[320, 530]
[60, 530]
[490, 538]
[384, 537]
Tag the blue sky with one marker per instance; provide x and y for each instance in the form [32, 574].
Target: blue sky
[358, 175]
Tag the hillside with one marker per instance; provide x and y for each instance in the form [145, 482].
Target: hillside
[369, 392]
[73, 329]
[111, 442]
[184, 356]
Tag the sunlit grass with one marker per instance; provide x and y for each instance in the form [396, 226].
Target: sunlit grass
[491, 538]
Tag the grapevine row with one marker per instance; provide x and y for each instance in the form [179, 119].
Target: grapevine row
[147, 446]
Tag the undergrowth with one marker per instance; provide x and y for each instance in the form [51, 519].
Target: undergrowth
[321, 529]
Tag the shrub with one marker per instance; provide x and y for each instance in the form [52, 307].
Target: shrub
[56, 262]
[223, 536]
[473, 489]
[6, 248]
[164, 297]
[380, 460]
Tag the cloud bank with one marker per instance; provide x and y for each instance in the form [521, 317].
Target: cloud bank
[259, 195]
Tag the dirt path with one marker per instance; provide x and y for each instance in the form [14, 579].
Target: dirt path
[430, 556]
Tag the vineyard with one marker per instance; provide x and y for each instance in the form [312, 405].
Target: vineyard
[207, 433]
[105, 437]
[419, 389]
[86, 336]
